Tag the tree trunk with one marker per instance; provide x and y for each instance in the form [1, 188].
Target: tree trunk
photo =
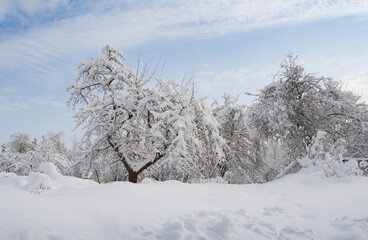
[133, 176]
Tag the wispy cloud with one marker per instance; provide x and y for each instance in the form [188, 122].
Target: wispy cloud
[19, 8]
[357, 83]
[48, 101]
[6, 105]
[47, 50]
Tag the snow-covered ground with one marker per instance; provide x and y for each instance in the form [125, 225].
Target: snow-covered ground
[299, 206]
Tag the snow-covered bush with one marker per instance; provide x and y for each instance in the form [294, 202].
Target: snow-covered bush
[37, 183]
[327, 154]
[51, 150]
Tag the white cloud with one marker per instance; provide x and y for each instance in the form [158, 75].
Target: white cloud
[205, 73]
[16, 8]
[46, 51]
[48, 101]
[6, 105]
[358, 84]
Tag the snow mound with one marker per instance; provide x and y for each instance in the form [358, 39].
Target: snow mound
[61, 181]
[37, 183]
[47, 179]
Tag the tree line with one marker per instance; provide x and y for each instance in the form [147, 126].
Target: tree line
[136, 125]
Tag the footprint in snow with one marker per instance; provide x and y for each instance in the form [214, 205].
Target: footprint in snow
[295, 233]
[274, 211]
[351, 228]
[199, 225]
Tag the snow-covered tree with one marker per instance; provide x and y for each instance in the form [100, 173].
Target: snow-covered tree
[54, 142]
[204, 145]
[200, 152]
[344, 116]
[20, 143]
[51, 149]
[141, 125]
[296, 105]
[99, 166]
[244, 159]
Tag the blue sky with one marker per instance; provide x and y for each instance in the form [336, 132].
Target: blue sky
[229, 46]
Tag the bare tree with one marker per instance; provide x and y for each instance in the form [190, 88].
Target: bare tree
[20, 143]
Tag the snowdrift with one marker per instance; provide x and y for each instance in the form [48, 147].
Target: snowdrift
[47, 205]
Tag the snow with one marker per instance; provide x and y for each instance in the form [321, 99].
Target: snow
[306, 205]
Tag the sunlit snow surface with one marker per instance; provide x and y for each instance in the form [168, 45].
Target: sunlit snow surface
[300, 206]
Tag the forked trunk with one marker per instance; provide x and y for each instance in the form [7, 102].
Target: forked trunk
[133, 177]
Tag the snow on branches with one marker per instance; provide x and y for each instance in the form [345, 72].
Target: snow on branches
[297, 105]
[142, 125]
